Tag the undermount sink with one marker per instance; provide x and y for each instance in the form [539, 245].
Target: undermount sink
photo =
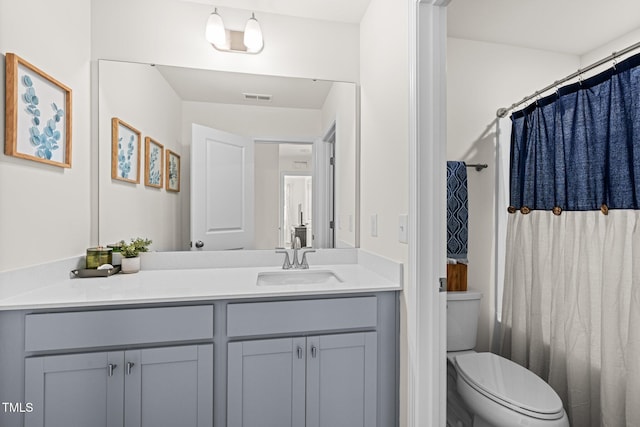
[298, 277]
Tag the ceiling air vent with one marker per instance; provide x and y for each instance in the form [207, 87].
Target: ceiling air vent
[257, 97]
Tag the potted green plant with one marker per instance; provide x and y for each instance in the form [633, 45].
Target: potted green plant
[130, 253]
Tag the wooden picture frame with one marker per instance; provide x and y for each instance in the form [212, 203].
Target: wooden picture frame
[172, 172]
[125, 151]
[37, 113]
[153, 163]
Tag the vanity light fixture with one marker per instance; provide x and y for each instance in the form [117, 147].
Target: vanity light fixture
[248, 41]
[253, 35]
[215, 32]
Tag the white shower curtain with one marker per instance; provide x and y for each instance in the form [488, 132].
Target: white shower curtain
[571, 309]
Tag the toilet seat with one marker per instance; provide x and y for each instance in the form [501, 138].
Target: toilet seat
[510, 385]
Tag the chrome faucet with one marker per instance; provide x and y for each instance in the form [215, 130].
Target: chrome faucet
[286, 265]
[296, 246]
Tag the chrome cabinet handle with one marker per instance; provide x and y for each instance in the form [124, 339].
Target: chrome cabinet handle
[129, 366]
[314, 351]
[199, 244]
[110, 368]
[299, 352]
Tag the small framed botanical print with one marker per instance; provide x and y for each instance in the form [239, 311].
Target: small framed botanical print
[125, 151]
[173, 171]
[38, 114]
[153, 162]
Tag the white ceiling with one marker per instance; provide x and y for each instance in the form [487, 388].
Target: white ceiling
[567, 26]
[228, 88]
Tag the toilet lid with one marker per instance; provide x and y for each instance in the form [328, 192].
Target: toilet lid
[509, 384]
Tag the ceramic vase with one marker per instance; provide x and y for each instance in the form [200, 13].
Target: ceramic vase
[130, 265]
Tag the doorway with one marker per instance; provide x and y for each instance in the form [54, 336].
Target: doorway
[284, 182]
[296, 208]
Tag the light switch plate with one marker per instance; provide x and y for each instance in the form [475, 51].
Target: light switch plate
[374, 225]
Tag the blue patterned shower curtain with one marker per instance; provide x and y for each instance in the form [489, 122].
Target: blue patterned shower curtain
[571, 301]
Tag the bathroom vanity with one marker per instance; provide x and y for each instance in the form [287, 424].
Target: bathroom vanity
[205, 347]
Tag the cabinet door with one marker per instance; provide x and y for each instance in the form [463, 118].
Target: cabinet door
[266, 383]
[169, 387]
[75, 390]
[342, 380]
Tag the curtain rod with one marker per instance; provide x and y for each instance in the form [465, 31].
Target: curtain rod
[502, 112]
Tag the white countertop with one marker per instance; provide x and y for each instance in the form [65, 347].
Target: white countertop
[197, 284]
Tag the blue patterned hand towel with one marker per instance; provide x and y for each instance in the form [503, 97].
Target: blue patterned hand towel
[457, 210]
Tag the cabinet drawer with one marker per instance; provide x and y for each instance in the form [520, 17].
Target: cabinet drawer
[58, 331]
[285, 317]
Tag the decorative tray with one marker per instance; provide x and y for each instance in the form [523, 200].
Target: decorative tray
[93, 272]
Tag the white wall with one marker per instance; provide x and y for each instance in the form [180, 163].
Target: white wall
[608, 48]
[267, 184]
[45, 211]
[482, 77]
[340, 107]
[139, 95]
[384, 75]
[384, 140]
[171, 32]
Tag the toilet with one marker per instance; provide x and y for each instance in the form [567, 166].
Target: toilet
[486, 390]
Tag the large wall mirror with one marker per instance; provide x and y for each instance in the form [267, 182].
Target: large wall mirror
[269, 158]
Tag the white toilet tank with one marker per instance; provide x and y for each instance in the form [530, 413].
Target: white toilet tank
[463, 310]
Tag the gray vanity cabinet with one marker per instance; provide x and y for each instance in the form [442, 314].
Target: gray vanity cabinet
[266, 383]
[318, 381]
[75, 390]
[318, 361]
[168, 386]
[342, 380]
[149, 375]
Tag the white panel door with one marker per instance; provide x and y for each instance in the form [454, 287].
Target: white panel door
[222, 190]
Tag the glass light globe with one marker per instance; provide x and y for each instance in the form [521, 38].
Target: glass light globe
[215, 32]
[253, 35]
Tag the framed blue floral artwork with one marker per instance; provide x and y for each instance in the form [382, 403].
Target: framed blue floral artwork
[172, 171]
[153, 162]
[37, 113]
[125, 151]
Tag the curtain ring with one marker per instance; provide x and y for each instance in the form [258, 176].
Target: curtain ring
[580, 77]
[615, 62]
